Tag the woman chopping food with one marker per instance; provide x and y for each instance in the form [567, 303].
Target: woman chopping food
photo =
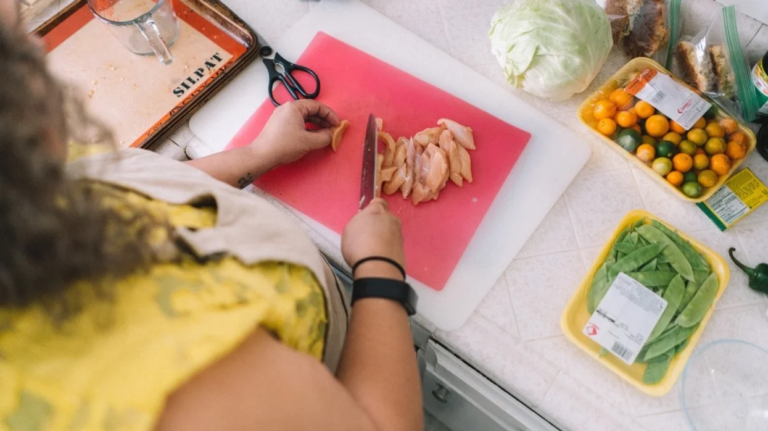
[141, 293]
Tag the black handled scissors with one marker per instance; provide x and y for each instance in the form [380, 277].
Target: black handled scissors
[284, 74]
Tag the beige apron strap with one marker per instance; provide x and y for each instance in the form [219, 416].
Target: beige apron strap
[247, 226]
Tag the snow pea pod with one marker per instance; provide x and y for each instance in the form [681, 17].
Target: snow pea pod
[598, 288]
[634, 238]
[665, 267]
[673, 295]
[613, 253]
[690, 290]
[653, 278]
[650, 266]
[680, 347]
[668, 342]
[671, 327]
[695, 258]
[638, 223]
[636, 259]
[672, 251]
[656, 370]
[626, 248]
[700, 276]
[699, 305]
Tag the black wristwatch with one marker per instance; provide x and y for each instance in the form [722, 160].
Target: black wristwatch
[386, 288]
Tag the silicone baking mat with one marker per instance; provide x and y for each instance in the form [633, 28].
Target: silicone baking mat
[137, 97]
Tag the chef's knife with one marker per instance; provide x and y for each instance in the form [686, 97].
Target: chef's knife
[370, 153]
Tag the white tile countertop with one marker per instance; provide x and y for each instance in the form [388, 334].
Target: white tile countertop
[514, 336]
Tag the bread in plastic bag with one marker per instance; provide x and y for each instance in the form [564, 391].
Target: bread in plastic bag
[713, 61]
[644, 28]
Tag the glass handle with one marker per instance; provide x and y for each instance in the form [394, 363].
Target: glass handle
[151, 33]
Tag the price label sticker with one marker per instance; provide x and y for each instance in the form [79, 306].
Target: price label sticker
[668, 96]
[625, 318]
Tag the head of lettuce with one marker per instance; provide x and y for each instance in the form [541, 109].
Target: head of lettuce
[551, 48]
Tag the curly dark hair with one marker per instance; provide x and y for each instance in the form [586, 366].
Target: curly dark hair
[54, 230]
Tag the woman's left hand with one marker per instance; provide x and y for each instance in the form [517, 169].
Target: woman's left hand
[285, 137]
[283, 140]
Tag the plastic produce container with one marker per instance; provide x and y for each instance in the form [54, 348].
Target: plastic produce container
[575, 316]
[619, 80]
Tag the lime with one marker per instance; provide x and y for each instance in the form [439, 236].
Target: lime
[662, 166]
[665, 149]
[687, 147]
[715, 146]
[692, 189]
[629, 139]
[690, 176]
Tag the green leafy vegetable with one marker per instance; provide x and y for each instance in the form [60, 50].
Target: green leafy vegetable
[551, 48]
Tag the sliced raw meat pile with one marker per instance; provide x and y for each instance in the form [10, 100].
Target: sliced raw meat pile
[421, 166]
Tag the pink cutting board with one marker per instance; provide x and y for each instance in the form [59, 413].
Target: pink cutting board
[326, 186]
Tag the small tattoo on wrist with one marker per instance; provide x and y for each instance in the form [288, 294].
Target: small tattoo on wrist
[245, 181]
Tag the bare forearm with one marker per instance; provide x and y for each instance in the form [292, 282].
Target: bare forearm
[238, 167]
[378, 365]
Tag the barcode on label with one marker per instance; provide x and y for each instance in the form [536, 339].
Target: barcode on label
[658, 98]
[621, 351]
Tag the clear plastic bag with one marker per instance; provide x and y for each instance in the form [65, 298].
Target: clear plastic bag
[644, 28]
[714, 62]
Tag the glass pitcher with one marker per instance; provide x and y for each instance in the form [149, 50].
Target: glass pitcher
[145, 27]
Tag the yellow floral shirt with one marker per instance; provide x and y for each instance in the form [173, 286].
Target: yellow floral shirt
[112, 365]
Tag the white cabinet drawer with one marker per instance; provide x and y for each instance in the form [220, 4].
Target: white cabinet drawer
[465, 400]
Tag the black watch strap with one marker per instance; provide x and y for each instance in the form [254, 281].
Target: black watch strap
[386, 288]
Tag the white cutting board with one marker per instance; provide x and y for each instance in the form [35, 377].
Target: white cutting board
[547, 166]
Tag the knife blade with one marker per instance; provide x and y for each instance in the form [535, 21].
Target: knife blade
[370, 154]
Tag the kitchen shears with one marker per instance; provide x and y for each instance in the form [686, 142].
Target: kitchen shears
[281, 70]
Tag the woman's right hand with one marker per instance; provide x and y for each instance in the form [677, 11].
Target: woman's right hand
[374, 232]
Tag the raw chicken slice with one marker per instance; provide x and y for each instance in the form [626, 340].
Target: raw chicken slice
[437, 174]
[379, 124]
[420, 193]
[423, 164]
[338, 134]
[466, 163]
[408, 183]
[410, 153]
[389, 152]
[450, 147]
[387, 174]
[401, 153]
[462, 134]
[428, 136]
[398, 179]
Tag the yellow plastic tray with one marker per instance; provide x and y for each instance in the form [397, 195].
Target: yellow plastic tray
[620, 79]
[575, 316]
